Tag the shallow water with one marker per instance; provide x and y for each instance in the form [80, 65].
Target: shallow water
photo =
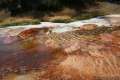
[24, 50]
[17, 54]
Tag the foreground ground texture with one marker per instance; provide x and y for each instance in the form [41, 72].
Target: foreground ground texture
[87, 53]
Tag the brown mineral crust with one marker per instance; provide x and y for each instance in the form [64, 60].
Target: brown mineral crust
[32, 32]
[30, 59]
[88, 27]
[67, 56]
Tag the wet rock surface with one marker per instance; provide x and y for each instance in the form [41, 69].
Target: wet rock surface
[38, 54]
[90, 52]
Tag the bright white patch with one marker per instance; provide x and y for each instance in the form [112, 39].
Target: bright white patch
[62, 29]
[113, 15]
[98, 21]
[107, 20]
[24, 77]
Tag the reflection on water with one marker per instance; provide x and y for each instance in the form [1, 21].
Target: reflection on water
[92, 55]
[18, 54]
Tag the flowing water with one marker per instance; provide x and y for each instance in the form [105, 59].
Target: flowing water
[58, 51]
